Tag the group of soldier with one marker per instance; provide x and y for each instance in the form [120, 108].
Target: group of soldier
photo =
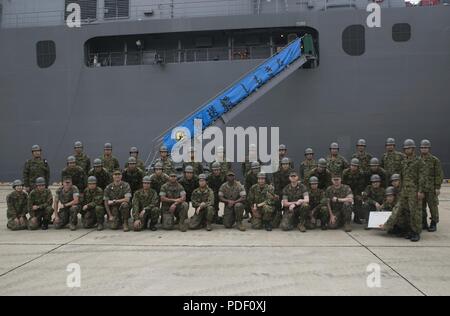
[324, 193]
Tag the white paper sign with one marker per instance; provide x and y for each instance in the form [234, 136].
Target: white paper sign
[378, 219]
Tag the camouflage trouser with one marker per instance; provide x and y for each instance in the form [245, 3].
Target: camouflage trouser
[20, 224]
[168, 218]
[151, 214]
[233, 215]
[343, 213]
[432, 200]
[92, 216]
[410, 203]
[366, 209]
[397, 218]
[263, 215]
[358, 208]
[318, 212]
[198, 220]
[67, 215]
[278, 214]
[38, 216]
[292, 218]
[121, 215]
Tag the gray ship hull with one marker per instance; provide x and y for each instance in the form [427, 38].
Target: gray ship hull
[395, 89]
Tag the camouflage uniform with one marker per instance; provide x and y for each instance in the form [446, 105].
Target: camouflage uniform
[383, 175]
[336, 165]
[44, 200]
[167, 164]
[133, 178]
[197, 166]
[17, 203]
[156, 182]
[83, 161]
[433, 177]
[120, 212]
[261, 194]
[357, 182]
[364, 160]
[96, 209]
[397, 217]
[317, 207]
[207, 213]
[232, 192]
[324, 177]
[306, 167]
[342, 211]
[215, 182]
[139, 164]
[35, 168]
[67, 215]
[371, 197]
[78, 176]
[103, 177]
[299, 214]
[173, 191]
[392, 163]
[110, 164]
[224, 167]
[250, 180]
[147, 201]
[189, 186]
[280, 181]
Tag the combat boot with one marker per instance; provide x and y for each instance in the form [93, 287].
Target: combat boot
[241, 227]
[357, 220]
[323, 225]
[433, 227]
[73, 227]
[301, 227]
[425, 226]
[100, 227]
[44, 225]
[347, 227]
[182, 227]
[408, 235]
[126, 229]
[268, 226]
[208, 226]
[415, 237]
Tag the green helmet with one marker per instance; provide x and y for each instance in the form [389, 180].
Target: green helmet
[334, 146]
[146, 179]
[163, 148]
[361, 142]
[285, 161]
[374, 162]
[189, 169]
[262, 175]
[35, 148]
[215, 166]
[255, 165]
[425, 144]
[313, 180]
[202, 176]
[375, 178]
[390, 141]
[309, 151]
[78, 145]
[132, 161]
[389, 191]
[158, 165]
[409, 143]
[322, 163]
[107, 146]
[98, 162]
[395, 177]
[354, 162]
[17, 183]
[282, 147]
[40, 181]
[71, 159]
[92, 180]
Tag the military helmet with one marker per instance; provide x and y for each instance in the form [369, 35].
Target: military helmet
[146, 179]
[158, 165]
[425, 144]
[163, 148]
[98, 162]
[67, 178]
[395, 177]
[92, 180]
[132, 161]
[189, 169]
[71, 159]
[389, 191]
[313, 180]
[78, 144]
[361, 142]
[215, 166]
[40, 181]
[375, 178]
[107, 146]
[172, 174]
[309, 151]
[134, 150]
[285, 161]
[255, 165]
[17, 183]
[35, 148]
[293, 174]
[334, 146]
[390, 141]
[117, 172]
[322, 163]
[409, 143]
[261, 175]
[354, 162]
[202, 176]
[282, 147]
[374, 162]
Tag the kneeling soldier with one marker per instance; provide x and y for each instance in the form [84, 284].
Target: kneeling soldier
[174, 206]
[373, 197]
[40, 204]
[261, 200]
[317, 205]
[233, 195]
[117, 197]
[17, 202]
[145, 207]
[68, 195]
[203, 202]
[295, 203]
[340, 204]
[93, 211]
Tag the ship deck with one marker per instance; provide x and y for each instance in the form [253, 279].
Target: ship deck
[223, 262]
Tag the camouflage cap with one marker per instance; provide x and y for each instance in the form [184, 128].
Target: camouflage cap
[35, 148]
[285, 161]
[313, 180]
[189, 169]
[78, 144]
[134, 150]
[230, 173]
[40, 181]
[395, 177]
[322, 163]
[309, 151]
[255, 165]
[17, 183]
[390, 141]
[202, 176]
[389, 191]
[215, 166]
[132, 161]
[261, 175]
[92, 180]
[98, 162]
[71, 159]
[334, 146]
[107, 146]
[374, 162]
[158, 165]
[409, 143]
[163, 148]
[117, 172]
[146, 179]
[425, 144]
[282, 147]
[354, 162]
[172, 174]
[361, 142]
[375, 178]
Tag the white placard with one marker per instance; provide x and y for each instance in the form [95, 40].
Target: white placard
[378, 219]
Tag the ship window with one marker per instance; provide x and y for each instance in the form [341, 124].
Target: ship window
[117, 9]
[46, 53]
[354, 40]
[88, 9]
[401, 32]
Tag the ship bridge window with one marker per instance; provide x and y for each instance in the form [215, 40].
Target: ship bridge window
[354, 40]
[46, 53]
[401, 32]
[88, 9]
[115, 9]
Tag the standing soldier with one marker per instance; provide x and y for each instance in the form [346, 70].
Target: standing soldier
[133, 175]
[412, 195]
[196, 165]
[110, 163]
[69, 197]
[336, 164]
[134, 152]
[40, 204]
[307, 165]
[396, 224]
[117, 198]
[76, 173]
[340, 200]
[233, 195]
[373, 197]
[362, 155]
[164, 159]
[282, 153]
[215, 181]
[203, 203]
[17, 203]
[173, 198]
[158, 178]
[322, 173]
[189, 182]
[92, 210]
[261, 200]
[318, 209]
[392, 159]
[280, 181]
[356, 180]
[145, 207]
[296, 204]
[434, 176]
[101, 174]
[35, 168]
[376, 169]
[82, 159]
